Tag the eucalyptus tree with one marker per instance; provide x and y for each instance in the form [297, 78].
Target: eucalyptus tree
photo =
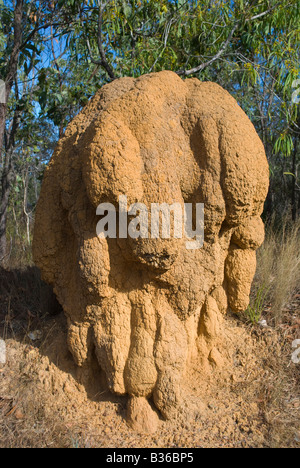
[55, 54]
[23, 26]
[250, 47]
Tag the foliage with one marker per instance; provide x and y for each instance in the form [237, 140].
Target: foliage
[70, 48]
[255, 309]
[278, 266]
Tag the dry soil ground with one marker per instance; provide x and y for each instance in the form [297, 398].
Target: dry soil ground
[45, 401]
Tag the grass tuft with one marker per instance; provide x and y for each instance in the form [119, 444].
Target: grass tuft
[278, 268]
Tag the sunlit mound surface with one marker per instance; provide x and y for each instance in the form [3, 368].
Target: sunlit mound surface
[146, 307]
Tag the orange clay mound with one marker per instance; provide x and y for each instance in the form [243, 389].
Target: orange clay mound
[148, 307]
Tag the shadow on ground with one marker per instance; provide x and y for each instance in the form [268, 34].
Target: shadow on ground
[29, 308]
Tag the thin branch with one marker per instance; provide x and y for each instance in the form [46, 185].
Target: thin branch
[165, 38]
[216, 57]
[264, 13]
[103, 62]
[202, 66]
[14, 58]
[37, 29]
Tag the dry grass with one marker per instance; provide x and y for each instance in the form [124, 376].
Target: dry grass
[30, 415]
[24, 422]
[279, 391]
[278, 267]
[41, 404]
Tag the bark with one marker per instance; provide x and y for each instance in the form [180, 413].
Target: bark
[5, 193]
[6, 177]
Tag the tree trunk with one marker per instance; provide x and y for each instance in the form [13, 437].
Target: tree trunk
[7, 169]
[5, 193]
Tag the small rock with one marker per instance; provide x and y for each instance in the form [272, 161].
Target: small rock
[216, 358]
[212, 406]
[19, 414]
[263, 324]
[35, 335]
